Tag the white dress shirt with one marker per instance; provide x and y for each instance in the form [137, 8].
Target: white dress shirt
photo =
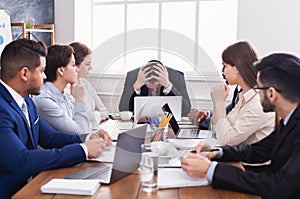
[245, 123]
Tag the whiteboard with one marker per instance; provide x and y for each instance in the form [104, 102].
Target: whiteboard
[5, 29]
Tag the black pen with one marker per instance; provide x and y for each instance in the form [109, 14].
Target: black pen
[205, 150]
[198, 130]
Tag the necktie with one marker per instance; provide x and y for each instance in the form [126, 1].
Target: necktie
[281, 126]
[25, 111]
[235, 98]
[24, 108]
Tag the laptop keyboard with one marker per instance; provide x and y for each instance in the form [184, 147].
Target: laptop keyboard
[189, 133]
[98, 171]
[103, 174]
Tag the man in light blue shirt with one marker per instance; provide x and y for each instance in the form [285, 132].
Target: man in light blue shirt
[53, 104]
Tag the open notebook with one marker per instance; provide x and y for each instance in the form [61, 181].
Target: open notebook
[176, 177]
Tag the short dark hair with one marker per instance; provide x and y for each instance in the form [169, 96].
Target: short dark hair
[281, 71]
[242, 56]
[153, 73]
[80, 52]
[20, 53]
[155, 61]
[58, 56]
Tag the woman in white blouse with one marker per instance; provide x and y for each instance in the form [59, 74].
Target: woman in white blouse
[97, 111]
[246, 123]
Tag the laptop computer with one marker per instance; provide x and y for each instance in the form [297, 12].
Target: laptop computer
[150, 106]
[126, 161]
[185, 133]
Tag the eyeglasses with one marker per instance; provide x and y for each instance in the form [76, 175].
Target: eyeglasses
[256, 88]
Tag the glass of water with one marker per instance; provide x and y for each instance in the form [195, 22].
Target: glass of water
[148, 169]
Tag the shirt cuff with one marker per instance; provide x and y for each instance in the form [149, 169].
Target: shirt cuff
[211, 171]
[208, 113]
[168, 89]
[137, 92]
[85, 149]
[220, 154]
[88, 136]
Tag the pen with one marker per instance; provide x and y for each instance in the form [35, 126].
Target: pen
[198, 130]
[205, 150]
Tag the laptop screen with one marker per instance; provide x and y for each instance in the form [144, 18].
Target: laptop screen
[172, 122]
[150, 106]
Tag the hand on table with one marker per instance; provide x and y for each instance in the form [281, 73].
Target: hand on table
[195, 165]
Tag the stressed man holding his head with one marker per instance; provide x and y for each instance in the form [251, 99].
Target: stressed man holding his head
[154, 79]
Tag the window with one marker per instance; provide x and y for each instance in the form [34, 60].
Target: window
[188, 35]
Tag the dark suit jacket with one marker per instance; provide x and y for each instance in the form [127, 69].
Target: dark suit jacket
[19, 157]
[175, 77]
[280, 179]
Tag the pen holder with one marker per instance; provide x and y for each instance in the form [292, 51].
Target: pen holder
[159, 133]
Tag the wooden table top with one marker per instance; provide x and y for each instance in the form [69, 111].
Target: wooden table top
[128, 187]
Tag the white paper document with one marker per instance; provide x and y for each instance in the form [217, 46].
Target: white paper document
[71, 186]
[190, 143]
[176, 177]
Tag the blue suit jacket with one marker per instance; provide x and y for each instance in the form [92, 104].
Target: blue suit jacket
[19, 157]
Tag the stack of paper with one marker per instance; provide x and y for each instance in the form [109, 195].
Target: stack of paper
[71, 186]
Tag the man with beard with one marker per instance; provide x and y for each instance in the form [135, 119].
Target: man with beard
[278, 86]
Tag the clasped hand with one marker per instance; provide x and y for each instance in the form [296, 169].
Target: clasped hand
[98, 141]
[219, 93]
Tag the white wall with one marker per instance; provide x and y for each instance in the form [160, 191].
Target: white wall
[69, 25]
[270, 25]
[64, 21]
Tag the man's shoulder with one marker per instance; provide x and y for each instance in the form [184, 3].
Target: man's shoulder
[136, 70]
[172, 70]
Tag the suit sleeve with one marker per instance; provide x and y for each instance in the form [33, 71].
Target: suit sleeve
[126, 101]
[23, 161]
[282, 183]
[179, 89]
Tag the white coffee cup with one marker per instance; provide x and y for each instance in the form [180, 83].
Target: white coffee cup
[125, 115]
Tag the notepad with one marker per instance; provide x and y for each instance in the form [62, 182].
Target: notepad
[176, 177]
[71, 186]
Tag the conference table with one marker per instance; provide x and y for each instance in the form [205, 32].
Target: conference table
[128, 187]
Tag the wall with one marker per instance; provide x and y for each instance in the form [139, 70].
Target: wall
[270, 25]
[70, 26]
[41, 10]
